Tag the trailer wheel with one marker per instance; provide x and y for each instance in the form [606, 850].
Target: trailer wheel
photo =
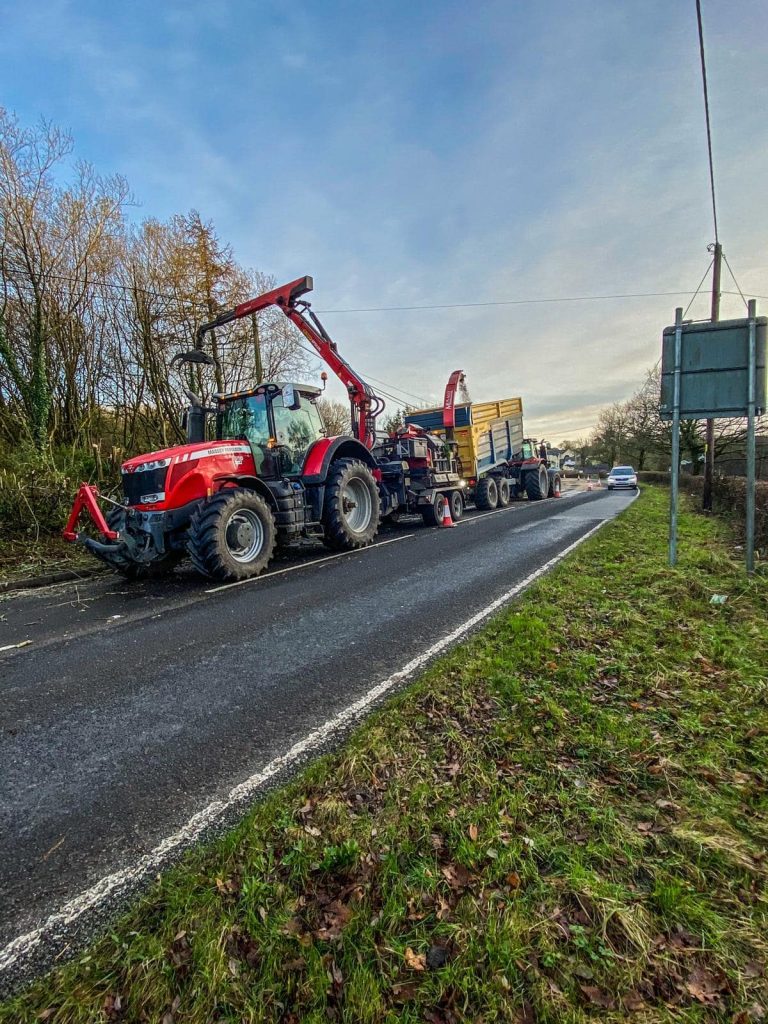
[433, 514]
[505, 491]
[232, 536]
[486, 494]
[555, 486]
[352, 507]
[537, 483]
[457, 505]
[141, 570]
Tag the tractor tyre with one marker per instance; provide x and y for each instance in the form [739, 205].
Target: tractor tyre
[352, 508]
[505, 491]
[232, 535]
[433, 514]
[457, 505]
[486, 494]
[537, 483]
[555, 486]
[141, 570]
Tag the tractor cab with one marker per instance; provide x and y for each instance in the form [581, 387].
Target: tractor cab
[279, 421]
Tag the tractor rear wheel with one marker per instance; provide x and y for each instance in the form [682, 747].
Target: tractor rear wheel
[232, 536]
[537, 483]
[505, 492]
[352, 508]
[161, 566]
[486, 494]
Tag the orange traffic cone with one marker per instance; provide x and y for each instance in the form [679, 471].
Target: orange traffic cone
[446, 520]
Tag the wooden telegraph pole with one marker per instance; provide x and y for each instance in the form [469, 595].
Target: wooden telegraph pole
[709, 464]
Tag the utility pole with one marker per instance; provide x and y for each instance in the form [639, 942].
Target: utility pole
[257, 350]
[709, 464]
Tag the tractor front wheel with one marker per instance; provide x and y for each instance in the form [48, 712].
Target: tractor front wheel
[352, 508]
[232, 536]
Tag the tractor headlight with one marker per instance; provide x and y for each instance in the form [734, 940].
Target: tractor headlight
[146, 467]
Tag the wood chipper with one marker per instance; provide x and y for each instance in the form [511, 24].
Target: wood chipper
[497, 463]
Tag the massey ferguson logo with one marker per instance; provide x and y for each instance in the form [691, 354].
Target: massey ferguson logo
[238, 460]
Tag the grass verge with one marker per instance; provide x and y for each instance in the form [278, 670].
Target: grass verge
[564, 820]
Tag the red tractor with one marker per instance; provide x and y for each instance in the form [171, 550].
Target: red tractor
[270, 475]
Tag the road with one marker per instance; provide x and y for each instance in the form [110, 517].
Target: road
[136, 708]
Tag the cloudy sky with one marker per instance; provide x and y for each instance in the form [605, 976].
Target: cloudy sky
[434, 153]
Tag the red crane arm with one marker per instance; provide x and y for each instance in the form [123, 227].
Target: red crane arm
[449, 401]
[366, 405]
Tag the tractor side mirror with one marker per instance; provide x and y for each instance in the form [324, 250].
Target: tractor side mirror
[291, 398]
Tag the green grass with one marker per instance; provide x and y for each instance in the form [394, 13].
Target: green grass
[564, 820]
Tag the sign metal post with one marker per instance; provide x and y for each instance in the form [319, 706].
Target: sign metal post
[675, 437]
[751, 374]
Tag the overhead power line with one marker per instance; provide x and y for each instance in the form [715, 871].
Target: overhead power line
[706, 113]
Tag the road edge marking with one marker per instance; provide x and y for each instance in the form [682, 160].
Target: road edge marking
[152, 862]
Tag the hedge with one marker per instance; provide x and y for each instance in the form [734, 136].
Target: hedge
[729, 498]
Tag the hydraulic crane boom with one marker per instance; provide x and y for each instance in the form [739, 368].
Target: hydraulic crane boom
[366, 404]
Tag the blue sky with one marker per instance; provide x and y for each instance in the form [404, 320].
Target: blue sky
[428, 153]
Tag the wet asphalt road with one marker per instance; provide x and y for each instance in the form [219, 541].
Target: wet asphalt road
[136, 705]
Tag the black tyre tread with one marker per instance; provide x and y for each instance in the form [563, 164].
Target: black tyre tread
[430, 513]
[336, 535]
[458, 498]
[486, 494]
[505, 492]
[533, 487]
[203, 538]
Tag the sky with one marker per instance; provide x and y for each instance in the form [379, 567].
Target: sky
[435, 154]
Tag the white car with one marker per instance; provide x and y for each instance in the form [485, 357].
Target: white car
[622, 476]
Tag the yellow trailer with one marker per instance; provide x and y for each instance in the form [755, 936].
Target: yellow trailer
[488, 434]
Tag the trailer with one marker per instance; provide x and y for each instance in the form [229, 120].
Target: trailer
[496, 461]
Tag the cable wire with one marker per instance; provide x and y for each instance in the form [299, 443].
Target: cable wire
[701, 282]
[706, 112]
[741, 293]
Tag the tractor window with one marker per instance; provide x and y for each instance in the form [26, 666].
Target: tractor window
[247, 418]
[296, 430]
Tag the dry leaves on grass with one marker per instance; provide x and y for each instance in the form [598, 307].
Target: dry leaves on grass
[707, 986]
[415, 961]
[456, 875]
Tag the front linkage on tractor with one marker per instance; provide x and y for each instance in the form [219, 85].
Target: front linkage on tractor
[270, 476]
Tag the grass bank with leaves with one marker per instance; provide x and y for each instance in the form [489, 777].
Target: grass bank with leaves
[564, 820]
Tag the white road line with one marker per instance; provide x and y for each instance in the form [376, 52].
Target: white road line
[150, 863]
[306, 565]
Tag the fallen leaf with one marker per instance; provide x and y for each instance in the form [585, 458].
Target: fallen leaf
[456, 875]
[705, 986]
[473, 833]
[416, 961]
[335, 917]
[513, 880]
[597, 997]
[336, 974]
[752, 969]
[633, 1001]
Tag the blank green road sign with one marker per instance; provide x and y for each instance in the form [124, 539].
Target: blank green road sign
[714, 367]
